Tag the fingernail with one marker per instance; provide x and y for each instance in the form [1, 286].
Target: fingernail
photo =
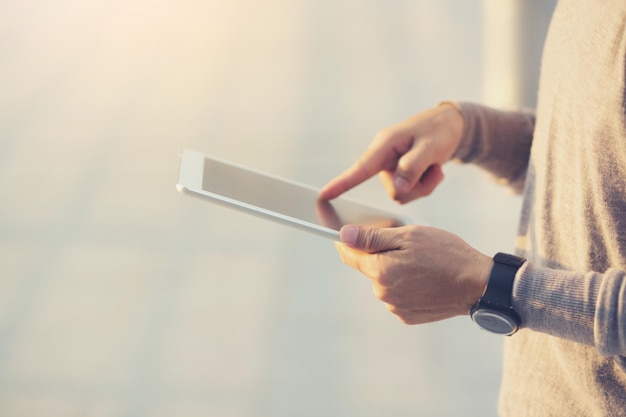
[349, 234]
[401, 184]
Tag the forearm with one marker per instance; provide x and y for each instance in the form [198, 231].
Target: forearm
[498, 141]
[588, 308]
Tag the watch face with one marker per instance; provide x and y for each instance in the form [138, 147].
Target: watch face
[494, 322]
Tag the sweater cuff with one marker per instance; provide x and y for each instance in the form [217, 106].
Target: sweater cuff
[557, 302]
[610, 323]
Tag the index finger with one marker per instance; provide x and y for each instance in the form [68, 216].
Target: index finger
[376, 159]
[348, 179]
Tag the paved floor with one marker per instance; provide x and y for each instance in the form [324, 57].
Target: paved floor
[120, 297]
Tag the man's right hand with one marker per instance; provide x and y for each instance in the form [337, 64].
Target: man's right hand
[408, 156]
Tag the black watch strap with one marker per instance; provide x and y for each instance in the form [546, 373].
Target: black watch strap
[500, 286]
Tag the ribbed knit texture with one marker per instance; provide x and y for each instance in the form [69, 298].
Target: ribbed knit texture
[570, 357]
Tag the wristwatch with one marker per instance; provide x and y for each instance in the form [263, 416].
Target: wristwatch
[494, 311]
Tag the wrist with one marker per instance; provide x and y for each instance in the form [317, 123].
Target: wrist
[453, 120]
[477, 278]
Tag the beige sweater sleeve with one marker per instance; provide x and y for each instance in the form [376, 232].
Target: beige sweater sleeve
[498, 141]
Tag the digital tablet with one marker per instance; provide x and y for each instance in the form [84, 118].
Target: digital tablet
[274, 198]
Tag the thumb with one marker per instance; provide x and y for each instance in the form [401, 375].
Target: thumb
[368, 238]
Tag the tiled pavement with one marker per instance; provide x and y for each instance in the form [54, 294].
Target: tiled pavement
[120, 297]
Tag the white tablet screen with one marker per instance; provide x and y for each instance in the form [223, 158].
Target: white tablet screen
[286, 198]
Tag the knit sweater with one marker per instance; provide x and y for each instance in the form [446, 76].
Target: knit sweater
[569, 358]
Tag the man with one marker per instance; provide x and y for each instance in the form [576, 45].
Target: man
[566, 292]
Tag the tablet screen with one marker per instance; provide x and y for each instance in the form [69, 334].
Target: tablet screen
[286, 198]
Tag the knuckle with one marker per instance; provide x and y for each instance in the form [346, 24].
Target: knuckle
[386, 278]
[370, 238]
[393, 309]
[383, 135]
[403, 315]
[380, 292]
[388, 296]
[406, 167]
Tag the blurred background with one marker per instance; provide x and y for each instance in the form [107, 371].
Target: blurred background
[120, 297]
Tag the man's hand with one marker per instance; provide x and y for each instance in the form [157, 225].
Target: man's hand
[421, 273]
[408, 156]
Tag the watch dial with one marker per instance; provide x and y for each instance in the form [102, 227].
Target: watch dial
[494, 322]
